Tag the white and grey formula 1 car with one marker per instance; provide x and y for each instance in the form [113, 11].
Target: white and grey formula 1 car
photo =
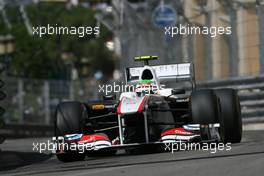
[150, 114]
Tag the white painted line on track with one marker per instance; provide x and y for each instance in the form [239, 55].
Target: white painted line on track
[253, 126]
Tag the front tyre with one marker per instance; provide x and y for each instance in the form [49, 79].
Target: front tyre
[230, 120]
[70, 119]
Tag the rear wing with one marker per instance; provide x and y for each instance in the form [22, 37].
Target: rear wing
[164, 72]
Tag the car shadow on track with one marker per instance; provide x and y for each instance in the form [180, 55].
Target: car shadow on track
[11, 159]
[113, 165]
[181, 160]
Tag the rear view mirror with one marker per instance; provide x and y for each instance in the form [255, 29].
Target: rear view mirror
[177, 91]
[2, 123]
[2, 139]
[109, 97]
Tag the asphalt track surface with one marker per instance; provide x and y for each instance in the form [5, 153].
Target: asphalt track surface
[246, 158]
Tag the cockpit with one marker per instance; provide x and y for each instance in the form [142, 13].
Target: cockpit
[146, 83]
[146, 75]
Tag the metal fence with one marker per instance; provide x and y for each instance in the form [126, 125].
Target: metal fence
[33, 101]
[30, 104]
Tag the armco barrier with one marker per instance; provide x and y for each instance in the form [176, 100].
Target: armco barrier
[26, 130]
[250, 91]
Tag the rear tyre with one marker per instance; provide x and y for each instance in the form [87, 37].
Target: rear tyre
[230, 120]
[69, 119]
[204, 107]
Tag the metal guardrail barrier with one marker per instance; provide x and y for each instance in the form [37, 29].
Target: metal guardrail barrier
[34, 101]
[26, 130]
[251, 93]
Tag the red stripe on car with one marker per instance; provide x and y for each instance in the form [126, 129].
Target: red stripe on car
[177, 131]
[93, 137]
[119, 107]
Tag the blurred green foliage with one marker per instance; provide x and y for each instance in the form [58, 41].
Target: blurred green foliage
[41, 57]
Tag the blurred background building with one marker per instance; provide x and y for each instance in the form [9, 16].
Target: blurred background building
[235, 55]
[238, 54]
